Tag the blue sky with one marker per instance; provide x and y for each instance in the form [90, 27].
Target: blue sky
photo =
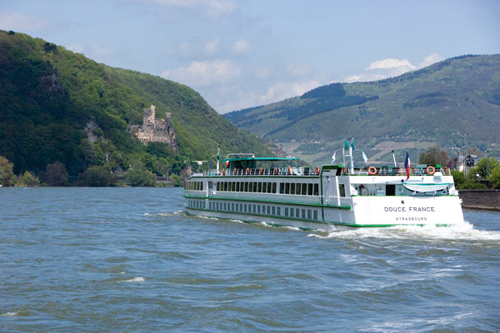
[245, 53]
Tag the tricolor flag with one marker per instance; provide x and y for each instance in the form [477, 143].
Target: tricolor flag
[407, 165]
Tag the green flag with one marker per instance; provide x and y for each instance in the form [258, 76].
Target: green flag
[346, 144]
[352, 144]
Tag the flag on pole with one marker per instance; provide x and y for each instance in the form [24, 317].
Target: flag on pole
[346, 144]
[352, 144]
[407, 165]
[365, 158]
[333, 158]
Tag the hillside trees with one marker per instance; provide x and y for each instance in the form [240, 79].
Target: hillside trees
[7, 177]
[58, 106]
[434, 156]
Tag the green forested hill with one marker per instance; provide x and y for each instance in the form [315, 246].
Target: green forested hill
[439, 104]
[48, 96]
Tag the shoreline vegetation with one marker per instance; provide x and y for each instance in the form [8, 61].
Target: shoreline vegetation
[485, 175]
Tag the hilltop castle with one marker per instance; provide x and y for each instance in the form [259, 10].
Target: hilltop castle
[155, 130]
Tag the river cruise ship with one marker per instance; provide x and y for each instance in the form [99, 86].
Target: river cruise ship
[265, 189]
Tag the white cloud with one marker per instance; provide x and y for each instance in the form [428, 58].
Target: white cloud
[391, 67]
[277, 92]
[431, 59]
[241, 46]
[15, 21]
[204, 73]
[391, 63]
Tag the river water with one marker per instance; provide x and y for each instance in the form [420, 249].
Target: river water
[129, 260]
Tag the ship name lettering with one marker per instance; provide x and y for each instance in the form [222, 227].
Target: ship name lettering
[422, 209]
[395, 209]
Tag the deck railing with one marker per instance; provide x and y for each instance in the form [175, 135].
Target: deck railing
[305, 171]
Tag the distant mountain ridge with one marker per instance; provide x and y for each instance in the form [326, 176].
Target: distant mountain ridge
[439, 103]
[59, 106]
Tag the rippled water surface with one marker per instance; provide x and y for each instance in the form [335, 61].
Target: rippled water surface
[128, 259]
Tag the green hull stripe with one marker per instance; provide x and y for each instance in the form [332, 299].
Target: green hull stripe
[311, 221]
[268, 202]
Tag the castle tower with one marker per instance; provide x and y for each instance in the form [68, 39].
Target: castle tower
[149, 116]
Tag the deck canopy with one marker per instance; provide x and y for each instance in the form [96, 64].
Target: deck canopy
[256, 162]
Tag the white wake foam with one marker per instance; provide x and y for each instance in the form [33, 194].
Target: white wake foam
[136, 279]
[462, 231]
[10, 314]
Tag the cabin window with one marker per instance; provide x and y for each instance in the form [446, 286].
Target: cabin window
[246, 186]
[309, 189]
[278, 211]
[297, 212]
[297, 186]
[268, 210]
[292, 188]
[264, 187]
[315, 214]
[309, 214]
[255, 187]
[282, 188]
[286, 211]
[390, 190]
[303, 213]
[291, 212]
[274, 188]
[342, 190]
[287, 188]
[304, 189]
[274, 210]
[232, 207]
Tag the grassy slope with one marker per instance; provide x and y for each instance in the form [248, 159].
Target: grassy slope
[49, 94]
[439, 103]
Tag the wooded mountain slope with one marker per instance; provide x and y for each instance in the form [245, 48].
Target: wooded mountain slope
[48, 95]
[439, 103]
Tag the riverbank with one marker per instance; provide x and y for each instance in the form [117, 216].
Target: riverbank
[480, 199]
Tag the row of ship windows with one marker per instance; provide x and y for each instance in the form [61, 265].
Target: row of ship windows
[194, 186]
[269, 187]
[310, 214]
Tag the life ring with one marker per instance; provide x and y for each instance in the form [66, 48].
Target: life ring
[372, 170]
[431, 170]
[289, 171]
[275, 171]
[248, 171]
[317, 170]
[223, 171]
[260, 171]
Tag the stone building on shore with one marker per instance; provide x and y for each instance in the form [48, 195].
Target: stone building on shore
[155, 130]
